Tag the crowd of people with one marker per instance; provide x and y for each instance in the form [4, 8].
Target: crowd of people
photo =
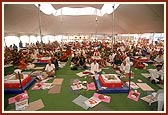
[22, 56]
[88, 54]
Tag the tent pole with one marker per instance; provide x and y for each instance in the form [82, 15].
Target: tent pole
[40, 23]
[48, 39]
[21, 87]
[61, 26]
[4, 41]
[96, 25]
[129, 79]
[29, 39]
[112, 41]
[19, 37]
[153, 38]
[54, 37]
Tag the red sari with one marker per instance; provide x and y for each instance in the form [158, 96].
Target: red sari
[138, 64]
[22, 64]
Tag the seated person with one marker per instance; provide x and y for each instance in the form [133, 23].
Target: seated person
[22, 63]
[55, 62]
[159, 58]
[156, 75]
[127, 59]
[117, 62]
[33, 56]
[50, 69]
[125, 69]
[74, 60]
[111, 57]
[103, 63]
[82, 62]
[138, 64]
[94, 67]
[64, 57]
[96, 53]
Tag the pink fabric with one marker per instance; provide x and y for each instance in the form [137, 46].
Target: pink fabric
[131, 93]
[106, 98]
[22, 96]
[37, 86]
[91, 86]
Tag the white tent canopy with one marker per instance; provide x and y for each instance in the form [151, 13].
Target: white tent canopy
[22, 19]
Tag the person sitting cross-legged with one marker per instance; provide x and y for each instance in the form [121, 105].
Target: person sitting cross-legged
[156, 75]
[125, 69]
[94, 67]
[50, 69]
[138, 64]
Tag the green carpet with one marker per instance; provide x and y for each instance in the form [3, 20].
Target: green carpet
[63, 100]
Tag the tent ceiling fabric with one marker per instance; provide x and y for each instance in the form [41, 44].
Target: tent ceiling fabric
[129, 18]
[58, 6]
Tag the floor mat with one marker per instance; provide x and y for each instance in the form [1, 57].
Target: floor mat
[73, 81]
[74, 91]
[104, 99]
[146, 75]
[80, 101]
[70, 89]
[100, 107]
[92, 101]
[18, 97]
[35, 105]
[147, 99]
[58, 81]
[134, 95]
[145, 87]
[132, 85]
[55, 89]
[91, 86]
[80, 74]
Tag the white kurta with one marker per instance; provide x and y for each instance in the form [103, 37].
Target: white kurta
[127, 59]
[49, 67]
[154, 73]
[111, 57]
[125, 68]
[94, 67]
[159, 59]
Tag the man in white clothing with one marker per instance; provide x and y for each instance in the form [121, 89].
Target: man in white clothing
[127, 59]
[125, 68]
[156, 75]
[94, 67]
[111, 57]
[50, 69]
[159, 58]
